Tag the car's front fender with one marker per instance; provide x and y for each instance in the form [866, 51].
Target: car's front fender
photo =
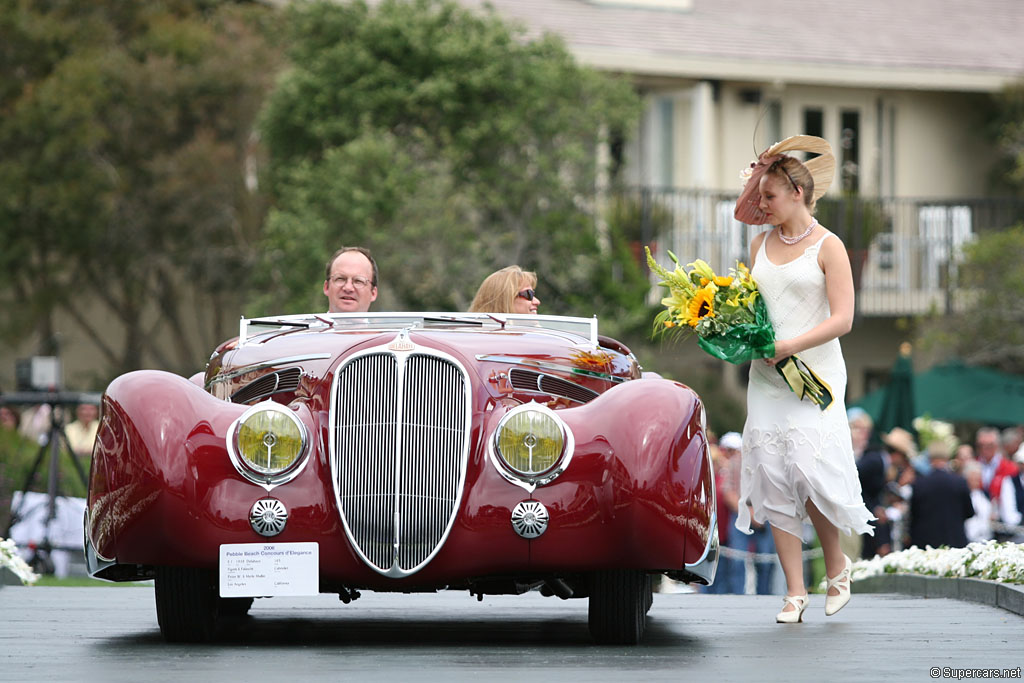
[638, 492]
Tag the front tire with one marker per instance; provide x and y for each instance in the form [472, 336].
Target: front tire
[187, 604]
[619, 600]
[233, 607]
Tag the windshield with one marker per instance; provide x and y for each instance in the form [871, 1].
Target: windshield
[585, 328]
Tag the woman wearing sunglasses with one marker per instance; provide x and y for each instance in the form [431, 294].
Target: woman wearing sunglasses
[509, 290]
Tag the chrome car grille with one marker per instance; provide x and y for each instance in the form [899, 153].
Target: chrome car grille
[398, 453]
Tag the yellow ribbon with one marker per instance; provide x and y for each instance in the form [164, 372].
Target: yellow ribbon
[805, 383]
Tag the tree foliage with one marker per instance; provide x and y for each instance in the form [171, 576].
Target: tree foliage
[990, 329]
[449, 144]
[125, 129]
[1007, 130]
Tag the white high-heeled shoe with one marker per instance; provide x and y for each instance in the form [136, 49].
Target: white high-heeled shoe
[793, 616]
[841, 583]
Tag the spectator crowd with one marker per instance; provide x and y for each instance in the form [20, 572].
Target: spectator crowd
[924, 490]
[927, 491]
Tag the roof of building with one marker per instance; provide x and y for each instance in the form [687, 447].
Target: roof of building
[943, 44]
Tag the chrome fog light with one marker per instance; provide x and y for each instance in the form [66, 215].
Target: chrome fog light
[530, 518]
[268, 517]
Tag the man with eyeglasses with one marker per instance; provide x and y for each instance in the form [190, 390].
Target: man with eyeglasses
[351, 281]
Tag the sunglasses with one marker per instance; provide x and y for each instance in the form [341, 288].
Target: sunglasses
[527, 294]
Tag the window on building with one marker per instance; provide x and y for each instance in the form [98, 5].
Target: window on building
[617, 155]
[655, 144]
[849, 149]
[814, 124]
[814, 121]
[772, 123]
[663, 166]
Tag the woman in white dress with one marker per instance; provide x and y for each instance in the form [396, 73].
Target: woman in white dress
[798, 461]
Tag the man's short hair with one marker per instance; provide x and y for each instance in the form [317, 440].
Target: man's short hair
[988, 431]
[362, 250]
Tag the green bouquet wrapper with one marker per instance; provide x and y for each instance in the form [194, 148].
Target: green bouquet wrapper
[743, 343]
[756, 340]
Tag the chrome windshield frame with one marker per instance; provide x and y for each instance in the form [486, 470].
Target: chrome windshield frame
[584, 329]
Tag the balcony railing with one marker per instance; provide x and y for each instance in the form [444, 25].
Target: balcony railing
[905, 252]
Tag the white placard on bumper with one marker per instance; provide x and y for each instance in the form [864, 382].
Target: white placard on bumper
[269, 569]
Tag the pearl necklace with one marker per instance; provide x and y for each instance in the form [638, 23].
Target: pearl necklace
[805, 233]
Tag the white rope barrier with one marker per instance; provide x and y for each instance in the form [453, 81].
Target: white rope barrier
[815, 553]
[745, 555]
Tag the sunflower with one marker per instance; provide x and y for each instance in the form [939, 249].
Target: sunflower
[701, 306]
[723, 281]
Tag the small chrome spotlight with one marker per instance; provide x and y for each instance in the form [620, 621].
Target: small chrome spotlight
[268, 517]
[530, 519]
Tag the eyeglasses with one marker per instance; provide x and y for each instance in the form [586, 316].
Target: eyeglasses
[527, 294]
[357, 281]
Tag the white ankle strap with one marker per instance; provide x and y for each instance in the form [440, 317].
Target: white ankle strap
[795, 600]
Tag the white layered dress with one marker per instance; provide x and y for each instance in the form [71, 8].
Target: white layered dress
[792, 450]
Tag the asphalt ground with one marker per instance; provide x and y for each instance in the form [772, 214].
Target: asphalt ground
[111, 634]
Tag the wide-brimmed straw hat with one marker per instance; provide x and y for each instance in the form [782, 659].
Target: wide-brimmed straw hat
[901, 440]
[822, 169]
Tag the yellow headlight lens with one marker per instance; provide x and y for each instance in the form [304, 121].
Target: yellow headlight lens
[269, 441]
[530, 442]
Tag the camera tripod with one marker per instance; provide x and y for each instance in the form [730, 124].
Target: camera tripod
[50, 451]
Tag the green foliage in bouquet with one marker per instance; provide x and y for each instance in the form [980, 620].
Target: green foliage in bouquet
[745, 341]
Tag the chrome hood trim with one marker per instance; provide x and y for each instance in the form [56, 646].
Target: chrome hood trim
[272, 363]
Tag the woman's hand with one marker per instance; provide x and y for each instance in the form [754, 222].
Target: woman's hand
[782, 352]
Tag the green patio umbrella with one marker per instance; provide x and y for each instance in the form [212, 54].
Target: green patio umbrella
[898, 406]
[955, 392]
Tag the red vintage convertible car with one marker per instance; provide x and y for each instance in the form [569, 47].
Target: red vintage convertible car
[403, 452]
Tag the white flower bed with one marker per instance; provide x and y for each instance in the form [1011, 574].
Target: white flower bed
[989, 560]
[10, 559]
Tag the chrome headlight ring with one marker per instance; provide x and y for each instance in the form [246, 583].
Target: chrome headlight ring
[546, 420]
[268, 425]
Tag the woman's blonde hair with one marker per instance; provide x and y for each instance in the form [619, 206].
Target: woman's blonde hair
[793, 174]
[499, 290]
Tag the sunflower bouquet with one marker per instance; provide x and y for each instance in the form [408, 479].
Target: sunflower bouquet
[730, 319]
